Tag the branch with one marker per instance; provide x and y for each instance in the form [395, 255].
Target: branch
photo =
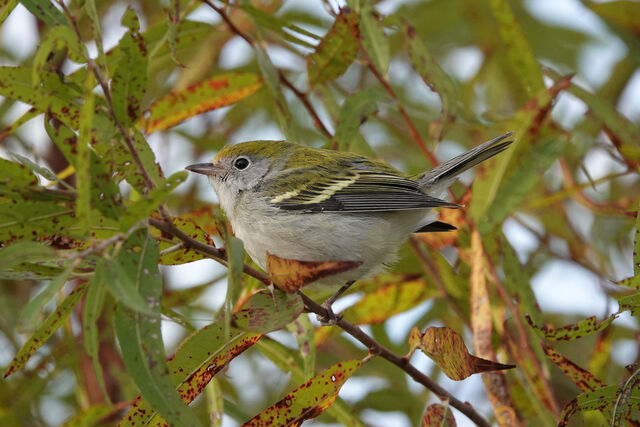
[374, 347]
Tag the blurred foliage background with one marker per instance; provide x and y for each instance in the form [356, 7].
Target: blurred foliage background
[545, 238]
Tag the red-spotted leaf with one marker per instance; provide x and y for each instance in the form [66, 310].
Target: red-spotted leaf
[600, 399]
[183, 255]
[337, 49]
[574, 331]
[309, 400]
[207, 95]
[48, 327]
[584, 379]
[129, 82]
[265, 311]
[438, 416]
[196, 361]
[445, 347]
[290, 275]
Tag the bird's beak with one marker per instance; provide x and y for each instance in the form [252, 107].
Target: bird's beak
[205, 169]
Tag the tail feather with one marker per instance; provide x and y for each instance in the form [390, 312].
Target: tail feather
[440, 177]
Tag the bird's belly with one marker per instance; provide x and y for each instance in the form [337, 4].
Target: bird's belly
[371, 239]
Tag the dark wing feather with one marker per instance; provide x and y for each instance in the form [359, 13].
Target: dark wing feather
[359, 191]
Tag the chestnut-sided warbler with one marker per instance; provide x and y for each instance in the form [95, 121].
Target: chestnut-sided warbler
[311, 204]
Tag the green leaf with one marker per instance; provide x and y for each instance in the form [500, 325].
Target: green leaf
[121, 284]
[28, 220]
[623, 13]
[432, 74]
[6, 9]
[198, 359]
[215, 92]
[215, 402]
[22, 252]
[83, 174]
[30, 315]
[354, 111]
[272, 82]
[145, 206]
[336, 51]
[575, 331]
[277, 24]
[527, 174]
[90, 316]
[140, 336]
[46, 11]
[304, 331]
[129, 82]
[308, 400]
[636, 247]
[94, 18]
[51, 97]
[58, 41]
[265, 311]
[15, 176]
[582, 378]
[48, 327]
[519, 50]
[374, 40]
[127, 167]
[600, 399]
[89, 417]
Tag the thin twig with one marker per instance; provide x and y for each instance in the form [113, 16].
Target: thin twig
[305, 102]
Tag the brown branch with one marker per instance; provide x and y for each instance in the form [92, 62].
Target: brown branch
[353, 330]
[402, 362]
[305, 101]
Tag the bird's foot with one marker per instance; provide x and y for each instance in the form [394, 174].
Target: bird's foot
[330, 318]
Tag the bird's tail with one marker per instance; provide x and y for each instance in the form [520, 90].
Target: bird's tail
[438, 179]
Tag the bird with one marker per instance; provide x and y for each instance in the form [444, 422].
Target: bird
[311, 204]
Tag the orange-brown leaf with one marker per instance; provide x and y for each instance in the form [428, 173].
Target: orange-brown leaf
[207, 95]
[290, 275]
[438, 415]
[445, 347]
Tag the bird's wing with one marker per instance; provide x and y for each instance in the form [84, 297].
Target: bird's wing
[354, 191]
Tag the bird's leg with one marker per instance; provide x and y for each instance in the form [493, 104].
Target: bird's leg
[331, 318]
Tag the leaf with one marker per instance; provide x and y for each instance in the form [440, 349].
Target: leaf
[277, 24]
[515, 190]
[128, 168]
[22, 252]
[519, 50]
[432, 74]
[337, 49]
[438, 416]
[89, 417]
[146, 205]
[289, 362]
[140, 337]
[374, 40]
[445, 347]
[290, 275]
[30, 315]
[215, 92]
[573, 331]
[59, 40]
[390, 299]
[272, 83]
[46, 329]
[51, 97]
[30, 114]
[85, 136]
[6, 9]
[93, 305]
[308, 400]
[584, 379]
[625, 14]
[354, 111]
[46, 11]
[636, 248]
[129, 82]
[16, 177]
[186, 255]
[29, 220]
[202, 355]
[215, 402]
[600, 399]
[491, 173]
[304, 331]
[265, 311]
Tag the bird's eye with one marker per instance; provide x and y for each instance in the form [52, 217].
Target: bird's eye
[241, 163]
